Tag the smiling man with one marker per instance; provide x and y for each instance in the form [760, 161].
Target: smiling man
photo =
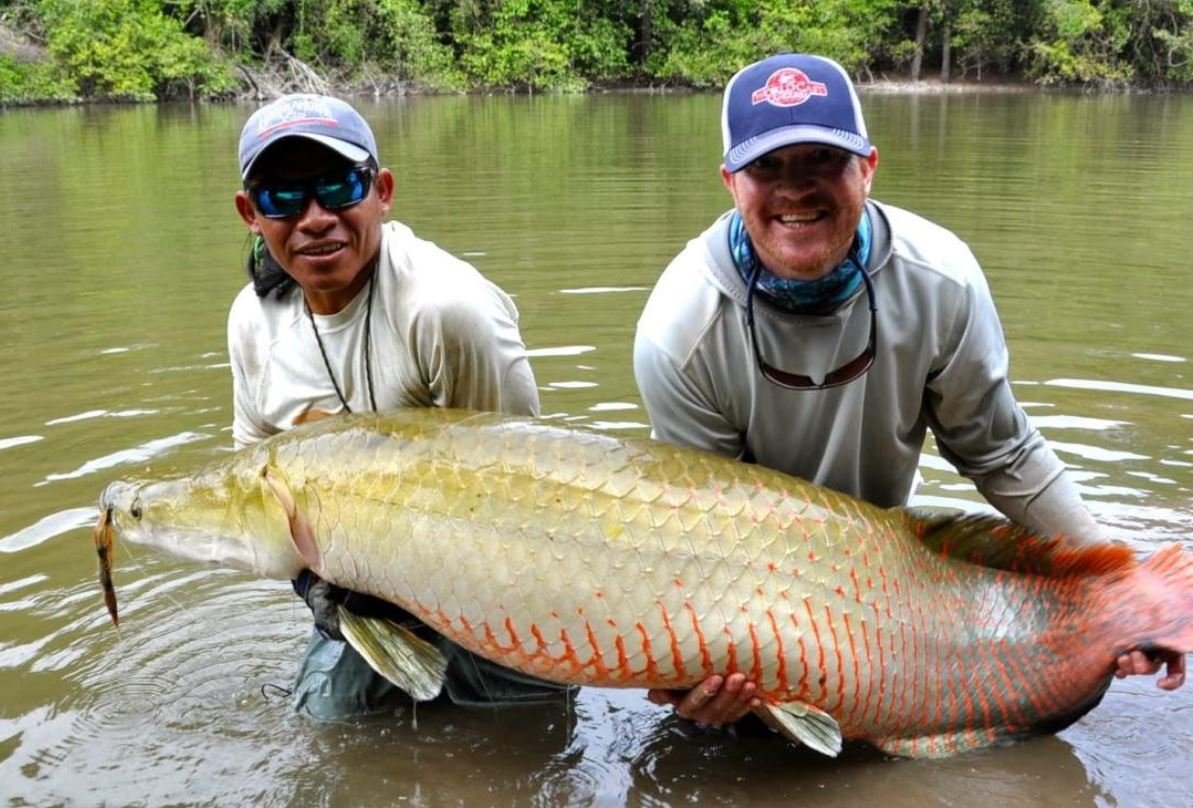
[347, 312]
[819, 332]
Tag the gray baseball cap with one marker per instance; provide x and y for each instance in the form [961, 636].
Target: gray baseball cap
[320, 118]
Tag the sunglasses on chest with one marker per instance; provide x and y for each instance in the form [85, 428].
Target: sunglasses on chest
[853, 369]
[335, 190]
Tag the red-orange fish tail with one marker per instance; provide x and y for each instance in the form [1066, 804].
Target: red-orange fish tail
[1161, 597]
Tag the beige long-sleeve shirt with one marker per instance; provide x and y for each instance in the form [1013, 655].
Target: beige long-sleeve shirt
[440, 335]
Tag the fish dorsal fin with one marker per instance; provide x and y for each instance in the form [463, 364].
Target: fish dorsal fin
[396, 653]
[996, 542]
[803, 723]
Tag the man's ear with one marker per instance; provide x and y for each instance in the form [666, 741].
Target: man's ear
[869, 166]
[247, 212]
[384, 183]
[727, 177]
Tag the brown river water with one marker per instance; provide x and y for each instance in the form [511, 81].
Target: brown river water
[122, 252]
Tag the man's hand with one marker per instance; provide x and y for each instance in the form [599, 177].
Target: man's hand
[1144, 664]
[322, 599]
[718, 700]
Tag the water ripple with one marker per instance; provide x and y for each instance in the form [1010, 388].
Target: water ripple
[1122, 387]
[20, 440]
[136, 454]
[168, 709]
[46, 528]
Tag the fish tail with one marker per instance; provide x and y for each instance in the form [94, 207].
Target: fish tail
[1161, 600]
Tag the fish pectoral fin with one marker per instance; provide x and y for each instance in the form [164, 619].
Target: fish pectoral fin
[301, 531]
[396, 653]
[804, 723]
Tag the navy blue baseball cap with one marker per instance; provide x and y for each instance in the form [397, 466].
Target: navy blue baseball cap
[321, 118]
[787, 99]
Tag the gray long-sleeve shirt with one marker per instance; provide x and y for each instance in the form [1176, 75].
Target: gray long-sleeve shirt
[941, 363]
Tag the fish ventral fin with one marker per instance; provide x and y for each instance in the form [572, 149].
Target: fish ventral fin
[396, 653]
[803, 723]
[998, 543]
[945, 744]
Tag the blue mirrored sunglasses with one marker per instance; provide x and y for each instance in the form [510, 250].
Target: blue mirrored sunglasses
[334, 190]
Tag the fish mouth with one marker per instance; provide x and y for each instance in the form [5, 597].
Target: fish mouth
[118, 496]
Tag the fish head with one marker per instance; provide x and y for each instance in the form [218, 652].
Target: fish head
[215, 518]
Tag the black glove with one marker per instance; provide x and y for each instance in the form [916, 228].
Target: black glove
[323, 598]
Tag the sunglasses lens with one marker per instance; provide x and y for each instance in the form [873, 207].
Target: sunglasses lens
[334, 193]
[279, 201]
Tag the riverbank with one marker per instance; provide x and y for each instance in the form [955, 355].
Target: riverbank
[27, 67]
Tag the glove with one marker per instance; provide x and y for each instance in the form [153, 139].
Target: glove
[323, 599]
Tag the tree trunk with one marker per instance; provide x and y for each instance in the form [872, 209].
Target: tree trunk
[946, 53]
[921, 38]
[645, 32]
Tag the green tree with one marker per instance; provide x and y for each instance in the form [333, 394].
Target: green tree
[712, 40]
[1080, 42]
[129, 49]
[539, 44]
[240, 26]
[985, 34]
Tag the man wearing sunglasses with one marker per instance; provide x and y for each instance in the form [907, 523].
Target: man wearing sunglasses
[347, 312]
[818, 332]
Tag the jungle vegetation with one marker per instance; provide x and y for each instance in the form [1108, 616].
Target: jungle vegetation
[146, 50]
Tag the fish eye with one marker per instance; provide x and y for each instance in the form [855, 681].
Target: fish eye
[135, 510]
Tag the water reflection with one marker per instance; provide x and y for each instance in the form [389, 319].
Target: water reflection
[114, 359]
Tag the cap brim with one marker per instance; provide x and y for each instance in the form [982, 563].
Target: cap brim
[750, 150]
[349, 151]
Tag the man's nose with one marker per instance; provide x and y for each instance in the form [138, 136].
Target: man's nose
[796, 178]
[315, 217]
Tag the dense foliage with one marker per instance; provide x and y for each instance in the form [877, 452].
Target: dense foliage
[156, 49]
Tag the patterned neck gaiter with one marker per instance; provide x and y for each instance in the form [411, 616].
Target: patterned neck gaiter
[820, 296]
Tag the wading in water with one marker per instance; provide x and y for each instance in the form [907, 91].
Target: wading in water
[587, 559]
[347, 312]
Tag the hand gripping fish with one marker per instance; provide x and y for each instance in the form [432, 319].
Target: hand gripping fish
[589, 559]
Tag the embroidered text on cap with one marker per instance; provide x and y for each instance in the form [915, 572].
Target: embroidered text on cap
[788, 87]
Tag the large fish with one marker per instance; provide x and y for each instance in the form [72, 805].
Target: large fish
[596, 560]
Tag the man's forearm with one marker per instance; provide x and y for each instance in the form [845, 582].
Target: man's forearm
[1038, 494]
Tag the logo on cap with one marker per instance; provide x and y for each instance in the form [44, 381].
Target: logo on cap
[296, 112]
[788, 87]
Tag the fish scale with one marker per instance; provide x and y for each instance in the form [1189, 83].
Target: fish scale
[590, 559]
